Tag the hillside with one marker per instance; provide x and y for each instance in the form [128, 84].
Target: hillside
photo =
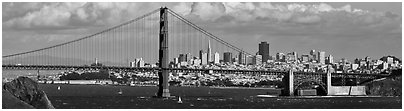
[390, 86]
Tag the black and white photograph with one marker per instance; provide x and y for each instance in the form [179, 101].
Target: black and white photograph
[201, 55]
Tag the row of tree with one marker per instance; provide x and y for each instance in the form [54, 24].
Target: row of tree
[102, 74]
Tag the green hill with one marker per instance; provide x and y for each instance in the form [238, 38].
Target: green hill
[390, 86]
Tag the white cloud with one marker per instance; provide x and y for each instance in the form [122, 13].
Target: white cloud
[49, 15]
[287, 13]
[71, 14]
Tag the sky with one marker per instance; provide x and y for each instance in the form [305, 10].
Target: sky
[345, 30]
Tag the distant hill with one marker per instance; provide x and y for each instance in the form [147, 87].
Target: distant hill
[390, 86]
[384, 58]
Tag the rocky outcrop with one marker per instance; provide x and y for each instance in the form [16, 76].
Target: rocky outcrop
[27, 91]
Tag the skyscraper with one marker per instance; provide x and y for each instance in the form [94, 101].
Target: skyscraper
[280, 57]
[227, 57]
[216, 58]
[330, 59]
[321, 57]
[188, 57]
[249, 60]
[263, 49]
[241, 58]
[313, 56]
[305, 58]
[182, 58]
[257, 59]
[204, 57]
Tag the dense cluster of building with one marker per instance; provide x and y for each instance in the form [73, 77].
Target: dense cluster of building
[312, 62]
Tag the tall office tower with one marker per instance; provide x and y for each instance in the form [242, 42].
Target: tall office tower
[241, 58]
[204, 57]
[176, 61]
[290, 57]
[188, 57]
[280, 57]
[249, 60]
[321, 57]
[330, 59]
[227, 56]
[182, 58]
[305, 58]
[295, 56]
[216, 58]
[209, 53]
[132, 64]
[263, 49]
[141, 63]
[367, 59]
[313, 56]
[257, 59]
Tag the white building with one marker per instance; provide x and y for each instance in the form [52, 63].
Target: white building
[216, 58]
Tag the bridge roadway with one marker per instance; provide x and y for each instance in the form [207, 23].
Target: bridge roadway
[233, 71]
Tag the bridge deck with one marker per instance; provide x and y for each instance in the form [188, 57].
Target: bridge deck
[68, 67]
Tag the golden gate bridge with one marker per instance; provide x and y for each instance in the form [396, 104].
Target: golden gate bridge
[156, 37]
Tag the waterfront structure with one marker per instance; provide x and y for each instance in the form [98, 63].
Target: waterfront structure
[263, 49]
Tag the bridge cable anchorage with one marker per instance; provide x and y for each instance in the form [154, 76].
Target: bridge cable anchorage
[86, 37]
[206, 32]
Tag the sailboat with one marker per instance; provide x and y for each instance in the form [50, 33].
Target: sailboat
[120, 92]
[179, 100]
[58, 87]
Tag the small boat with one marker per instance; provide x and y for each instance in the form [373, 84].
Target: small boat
[120, 92]
[179, 100]
[267, 96]
[58, 87]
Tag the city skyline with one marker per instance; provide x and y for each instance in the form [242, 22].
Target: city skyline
[287, 27]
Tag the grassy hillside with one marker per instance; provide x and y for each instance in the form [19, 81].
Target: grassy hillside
[390, 86]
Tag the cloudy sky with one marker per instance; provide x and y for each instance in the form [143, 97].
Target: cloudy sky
[349, 30]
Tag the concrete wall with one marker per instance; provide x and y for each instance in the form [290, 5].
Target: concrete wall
[347, 90]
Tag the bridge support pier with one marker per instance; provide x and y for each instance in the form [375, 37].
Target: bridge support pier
[329, 87]
[163, 55]
[289, 87]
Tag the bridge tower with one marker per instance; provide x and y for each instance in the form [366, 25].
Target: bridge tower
[163, 55]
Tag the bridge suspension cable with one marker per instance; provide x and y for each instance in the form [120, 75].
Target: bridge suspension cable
[206, 32]
[86, 37]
